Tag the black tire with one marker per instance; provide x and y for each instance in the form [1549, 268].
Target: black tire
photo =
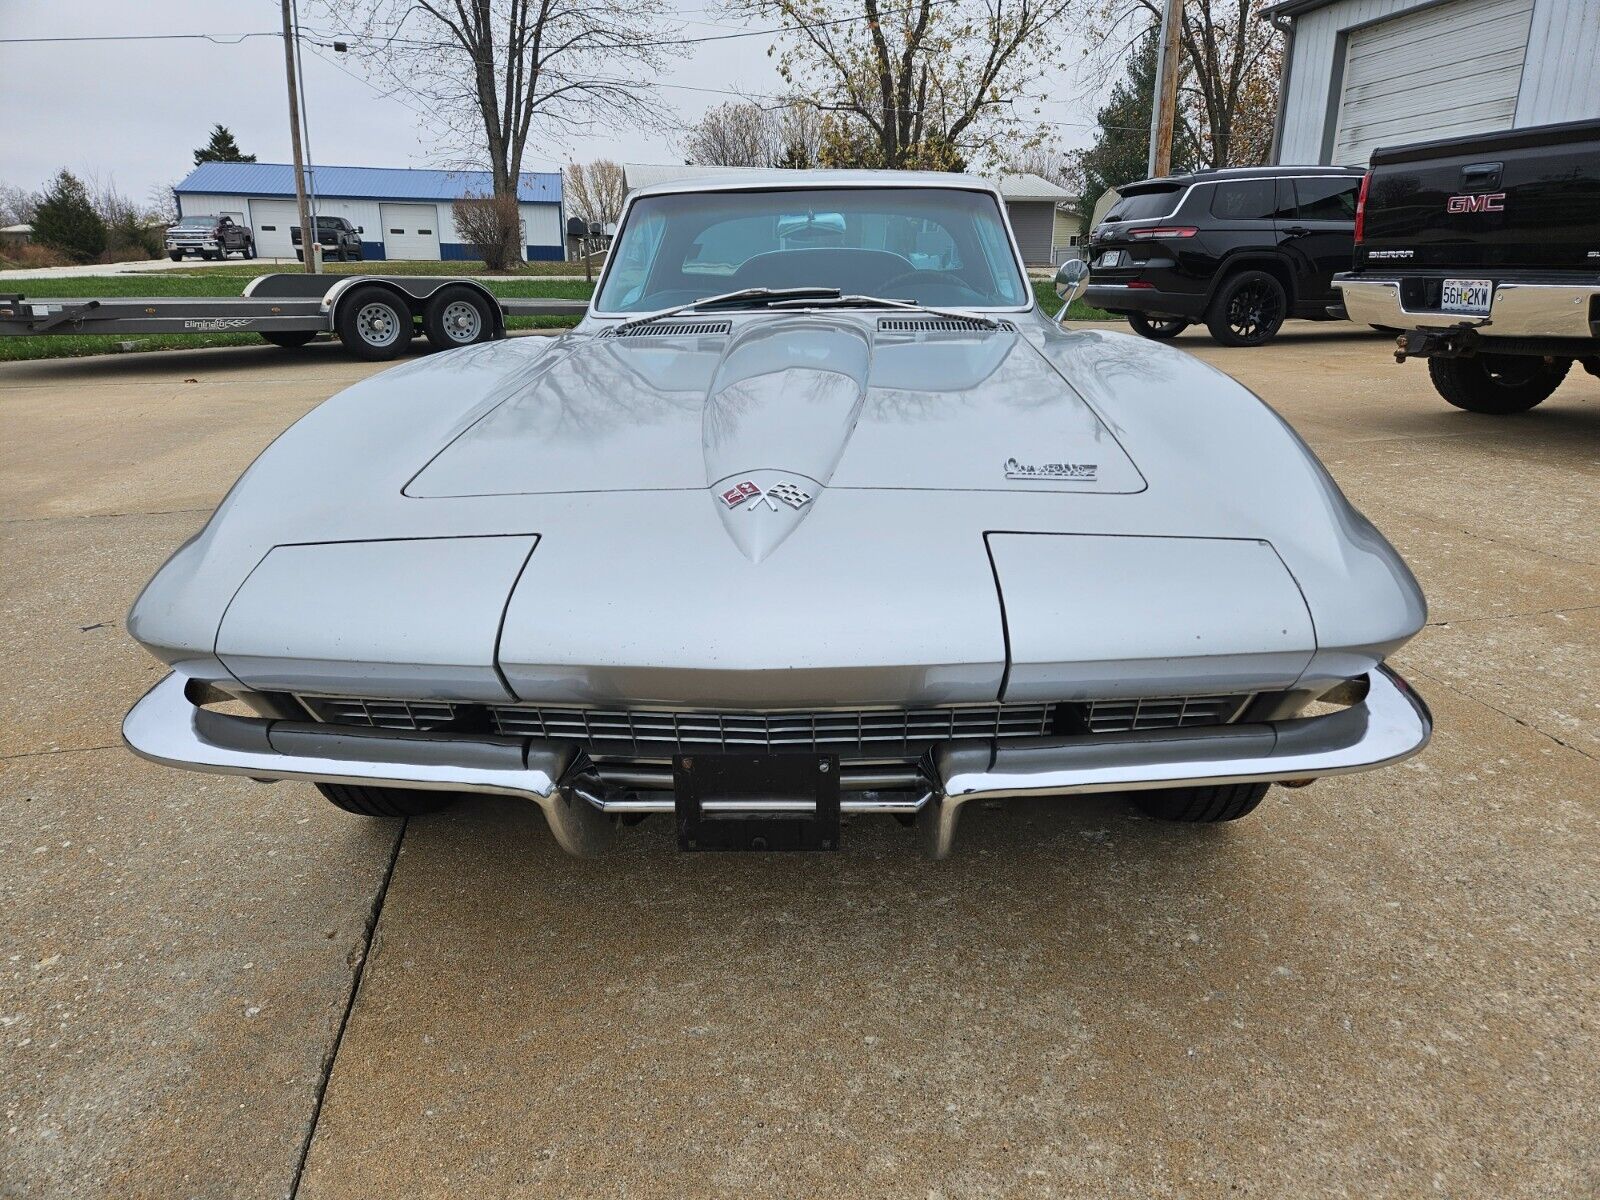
[208, 255]
[458, 316]
[290, 339]
[1248, 309]
[299, 255]
[373, 323]
[1498, 384]
[343, 255]
[385, 802]
[1157, 328]
[250, 248]
[176, 256]
[1202, 805]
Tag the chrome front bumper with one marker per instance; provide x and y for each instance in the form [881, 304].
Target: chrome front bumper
[1516, 309]
[1388, 724]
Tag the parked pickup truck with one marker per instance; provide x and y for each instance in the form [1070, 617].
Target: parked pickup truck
[210, 237]
[338, 237]
[1483, 252]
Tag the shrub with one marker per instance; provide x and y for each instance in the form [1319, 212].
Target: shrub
[65, 220]
[492, 226]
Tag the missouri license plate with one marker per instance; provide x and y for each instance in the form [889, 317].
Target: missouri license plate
[1469, 296]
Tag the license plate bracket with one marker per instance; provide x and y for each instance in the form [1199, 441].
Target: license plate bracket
[756, 802]
[1468, 297]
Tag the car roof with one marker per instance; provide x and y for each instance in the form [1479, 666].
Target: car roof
[768, 181]
[1167, 182]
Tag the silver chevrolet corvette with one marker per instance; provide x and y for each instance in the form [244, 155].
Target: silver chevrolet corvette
[816, 514]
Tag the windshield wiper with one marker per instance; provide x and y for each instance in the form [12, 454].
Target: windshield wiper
[843, 301]
[743, 294]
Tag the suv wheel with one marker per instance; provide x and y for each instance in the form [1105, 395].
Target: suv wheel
[1497, 383]
[1248, 309]
[1158, 328]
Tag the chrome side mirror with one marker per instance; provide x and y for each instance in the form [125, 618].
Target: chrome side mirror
[1072, 277]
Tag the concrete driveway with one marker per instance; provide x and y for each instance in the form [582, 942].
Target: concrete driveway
[1382, 985]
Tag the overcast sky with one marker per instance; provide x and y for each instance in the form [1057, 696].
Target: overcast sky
[135, 111]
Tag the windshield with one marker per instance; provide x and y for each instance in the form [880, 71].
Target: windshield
[932, 246]
[196, 222]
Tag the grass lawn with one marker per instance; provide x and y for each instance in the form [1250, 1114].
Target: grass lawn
[231, 280]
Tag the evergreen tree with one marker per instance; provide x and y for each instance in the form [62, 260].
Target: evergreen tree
[1121, 152]
[221, 148]
[65, 220]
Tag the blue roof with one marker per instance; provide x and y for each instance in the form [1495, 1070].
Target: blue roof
[367, 183]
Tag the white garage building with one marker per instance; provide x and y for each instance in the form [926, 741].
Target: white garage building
[403, 214]
[1360, 74]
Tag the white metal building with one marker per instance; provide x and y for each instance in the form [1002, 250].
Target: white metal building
[1030, 201]
[1360, 74]
[403, 214]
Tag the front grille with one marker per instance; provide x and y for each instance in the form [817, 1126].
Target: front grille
[867, 732]
[886, 733]
[380, 714]
[1162, 712]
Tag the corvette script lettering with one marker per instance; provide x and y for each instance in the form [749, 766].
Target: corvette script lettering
[747, 493]
[1080, 471]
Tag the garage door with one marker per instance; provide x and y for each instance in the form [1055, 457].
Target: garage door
[272, 220]
[1450, 70]
[410, 231]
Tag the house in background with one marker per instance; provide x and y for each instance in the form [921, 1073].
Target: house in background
[1030, 201]
[404, 214]
[12, 236]
[1359, 74]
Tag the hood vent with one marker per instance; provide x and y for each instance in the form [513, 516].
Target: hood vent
[673, 329]
[938, 325]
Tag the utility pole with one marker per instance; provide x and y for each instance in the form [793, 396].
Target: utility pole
[1164, 106]
[308, 235]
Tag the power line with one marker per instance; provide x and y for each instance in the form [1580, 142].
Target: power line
[220, 39]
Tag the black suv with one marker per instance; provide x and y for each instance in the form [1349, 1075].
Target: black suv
[1240, 249]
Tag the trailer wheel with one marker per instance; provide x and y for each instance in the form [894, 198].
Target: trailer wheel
[457, 316]
[290, 339]
[373, 323]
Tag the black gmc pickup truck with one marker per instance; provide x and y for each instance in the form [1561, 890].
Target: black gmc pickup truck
[339, 239]
[1484, 253]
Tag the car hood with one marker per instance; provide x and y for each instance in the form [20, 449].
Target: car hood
[813, 401]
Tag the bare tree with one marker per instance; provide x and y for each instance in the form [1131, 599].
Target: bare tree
[1228, 77]
[492, 226]
[746, 134]
[16, 204]
[595, 191]
[1048, 164]
[490, 72]
[736, 134]
[914, 82]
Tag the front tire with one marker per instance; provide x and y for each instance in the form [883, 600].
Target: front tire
[250, 249]
[176, 256]
[1202, 805]
[1248, 310]
[1497, 384]
[1158, 329]
[384, 802]
[374, 324]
